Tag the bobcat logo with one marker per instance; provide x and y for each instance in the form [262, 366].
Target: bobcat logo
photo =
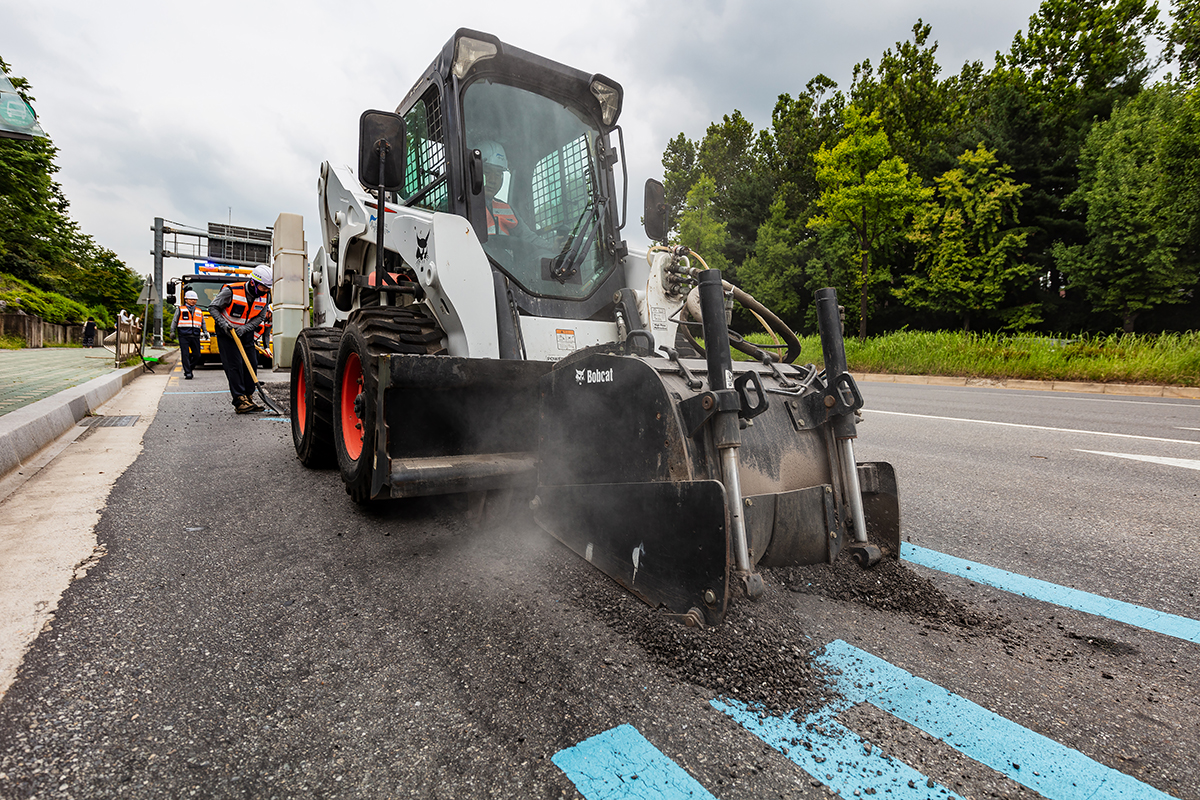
[422, 247]
[583, 376]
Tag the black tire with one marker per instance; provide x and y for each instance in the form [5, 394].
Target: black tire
[370, 333]
[313, 361]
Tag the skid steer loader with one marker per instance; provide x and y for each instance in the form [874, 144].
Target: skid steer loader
[482, 328]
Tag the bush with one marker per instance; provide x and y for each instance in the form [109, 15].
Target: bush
[50, 306]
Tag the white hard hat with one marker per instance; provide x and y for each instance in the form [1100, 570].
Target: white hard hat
[262, 274]
[190, 295]
[493, 153]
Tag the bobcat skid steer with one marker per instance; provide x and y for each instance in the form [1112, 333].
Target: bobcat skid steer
[482, 328]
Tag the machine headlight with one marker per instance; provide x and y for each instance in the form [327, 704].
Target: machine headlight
[610, 100]
[468, 52]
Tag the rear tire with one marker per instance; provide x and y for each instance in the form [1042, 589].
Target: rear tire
[313, 363]
[370, 333]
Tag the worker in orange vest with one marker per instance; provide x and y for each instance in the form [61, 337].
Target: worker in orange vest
[186, 327]
[238, 310]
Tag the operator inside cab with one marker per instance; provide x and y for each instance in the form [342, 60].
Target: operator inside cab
[501, 219]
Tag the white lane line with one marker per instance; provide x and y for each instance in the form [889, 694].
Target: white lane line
[1036, 427]
[1178, 428]
[1186, 463]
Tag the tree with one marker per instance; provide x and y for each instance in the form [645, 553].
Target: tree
[798, 129]
[1179, 158]
[39, 242]
[1084, 56]
[699, 227]
[730, 154]
[1131, 262]
[775, 274]
[911, 102]
[967, 243]
[1183, 40]
[681, 170]
[868, 190]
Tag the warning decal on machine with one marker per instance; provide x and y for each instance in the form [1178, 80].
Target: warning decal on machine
[658, 318]
[565, 338]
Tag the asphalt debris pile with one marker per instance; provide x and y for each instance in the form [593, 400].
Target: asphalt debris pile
[888, 586]
[758, 655]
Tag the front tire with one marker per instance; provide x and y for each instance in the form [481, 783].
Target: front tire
[370, 333]
[354, 394]
[313, 362]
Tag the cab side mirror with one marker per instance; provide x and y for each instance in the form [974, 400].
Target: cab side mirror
[654, 217]
[381, 150]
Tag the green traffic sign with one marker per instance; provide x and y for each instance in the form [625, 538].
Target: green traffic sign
[17, 119]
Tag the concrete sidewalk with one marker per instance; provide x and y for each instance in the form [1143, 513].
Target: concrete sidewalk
[71, 384]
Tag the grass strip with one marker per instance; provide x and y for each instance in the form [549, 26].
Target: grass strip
[1165, 359]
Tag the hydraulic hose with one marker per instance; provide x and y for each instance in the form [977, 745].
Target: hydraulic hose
[773, 323]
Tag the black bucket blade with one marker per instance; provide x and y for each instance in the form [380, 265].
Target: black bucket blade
[666, 542]
[881, 505]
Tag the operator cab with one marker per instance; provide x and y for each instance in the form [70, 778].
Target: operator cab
[520, 146]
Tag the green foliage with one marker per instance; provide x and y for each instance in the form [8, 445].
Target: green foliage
[801, 210]
[39, 243]
[1183, 40]
[699, 227]
[10, 342]
[869, 191]
[1171, 359]
[905, 92]
[1084, 56]
[680, 172]
[50, 306]
[968, 245]
[1131, 262]
[1179, 158]
[775, 274]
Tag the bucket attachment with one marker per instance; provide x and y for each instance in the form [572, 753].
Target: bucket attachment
[665, 542]
[677, 477]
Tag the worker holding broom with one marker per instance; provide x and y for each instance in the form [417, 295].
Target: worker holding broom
[238, 310]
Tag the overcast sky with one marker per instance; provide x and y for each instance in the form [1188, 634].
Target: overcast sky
[223, 111]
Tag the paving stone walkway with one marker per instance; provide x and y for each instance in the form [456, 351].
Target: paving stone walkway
[31, 374]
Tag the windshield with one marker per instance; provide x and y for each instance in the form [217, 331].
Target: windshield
[545, 205]
[206, 289]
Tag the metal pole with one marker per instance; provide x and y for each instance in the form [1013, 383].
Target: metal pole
[382, 147]
[158, 280]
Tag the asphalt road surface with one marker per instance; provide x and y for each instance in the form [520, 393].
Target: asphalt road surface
[252, 633]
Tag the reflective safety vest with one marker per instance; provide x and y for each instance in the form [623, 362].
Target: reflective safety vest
[189, 317]
[241, 310]
[501, 219]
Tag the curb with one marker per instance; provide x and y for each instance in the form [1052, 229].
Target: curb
[1127, 389]
[27, 430]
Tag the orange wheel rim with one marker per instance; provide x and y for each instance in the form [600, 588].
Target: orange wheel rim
[352, 429]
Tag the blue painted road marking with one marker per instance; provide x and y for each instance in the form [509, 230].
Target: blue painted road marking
[620, 764]
[1042, 764]
[1138, 616]
[836, 756]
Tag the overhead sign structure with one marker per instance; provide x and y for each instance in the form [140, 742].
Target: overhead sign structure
[17, 120]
